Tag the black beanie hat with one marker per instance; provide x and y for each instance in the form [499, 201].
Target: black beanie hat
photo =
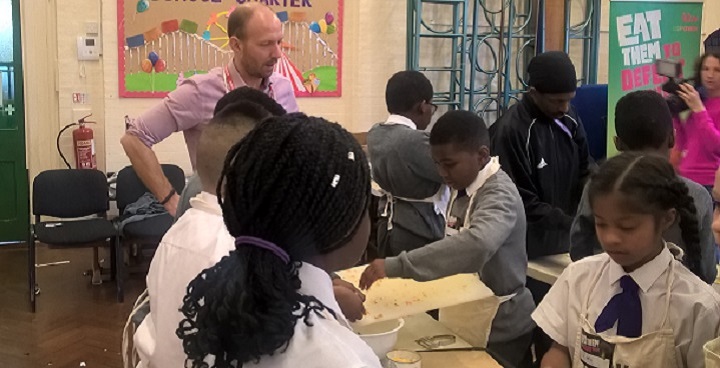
[552, 72]
[712, 43]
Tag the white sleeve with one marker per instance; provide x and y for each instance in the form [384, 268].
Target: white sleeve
[706, 327]
[552, 313]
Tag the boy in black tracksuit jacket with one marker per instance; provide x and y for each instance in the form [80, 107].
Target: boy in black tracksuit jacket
[542, 145]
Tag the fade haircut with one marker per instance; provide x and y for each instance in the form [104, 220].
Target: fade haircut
[464, 129]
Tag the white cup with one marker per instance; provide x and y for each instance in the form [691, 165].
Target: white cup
[403, 359]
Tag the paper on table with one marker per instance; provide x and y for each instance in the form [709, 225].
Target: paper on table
[395, 298]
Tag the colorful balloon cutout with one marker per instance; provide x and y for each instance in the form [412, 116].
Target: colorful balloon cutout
[331, 28]
[153, 56]
[160, 66]
[329, 18]
[146, 66]
[283, 16]
[323, 26]
[135, 41]
[142, 5]
[206, 35]
[315, 27]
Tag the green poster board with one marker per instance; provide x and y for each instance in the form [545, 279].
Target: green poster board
[640, 32]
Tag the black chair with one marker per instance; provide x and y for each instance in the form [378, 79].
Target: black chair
[129, 189]
[72, 196]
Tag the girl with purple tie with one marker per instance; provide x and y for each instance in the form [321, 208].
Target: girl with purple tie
[635, 305]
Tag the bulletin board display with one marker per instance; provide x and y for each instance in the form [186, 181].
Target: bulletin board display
[162, 42]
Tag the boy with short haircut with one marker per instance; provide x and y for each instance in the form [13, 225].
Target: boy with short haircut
[486, 233]
[194, 185]
[399, 151]
[643, 122]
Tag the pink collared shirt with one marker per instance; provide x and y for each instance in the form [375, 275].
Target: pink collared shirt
[188, 108]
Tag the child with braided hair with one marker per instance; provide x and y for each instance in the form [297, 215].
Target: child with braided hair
[636, 305]
[643, 123]
[294, 196]
[200, 239]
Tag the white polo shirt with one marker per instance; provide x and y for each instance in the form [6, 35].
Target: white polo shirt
[694, 313]
[198, 241]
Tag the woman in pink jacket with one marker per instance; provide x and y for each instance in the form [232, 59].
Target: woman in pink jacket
[698, 136]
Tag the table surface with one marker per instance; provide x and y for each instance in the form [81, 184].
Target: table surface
[422, 325]
[548, 269]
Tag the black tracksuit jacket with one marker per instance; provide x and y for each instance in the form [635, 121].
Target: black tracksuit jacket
[549, 165]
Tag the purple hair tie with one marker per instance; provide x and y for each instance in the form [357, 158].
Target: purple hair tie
[264, 244]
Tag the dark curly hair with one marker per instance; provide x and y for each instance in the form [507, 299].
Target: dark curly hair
[299, 182]
[653, 186]
[248, 94]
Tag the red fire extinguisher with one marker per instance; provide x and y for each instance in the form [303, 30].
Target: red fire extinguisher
[84, 145]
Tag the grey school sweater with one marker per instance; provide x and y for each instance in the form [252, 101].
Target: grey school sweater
[493, 246]
[584, 242]
[402, 165]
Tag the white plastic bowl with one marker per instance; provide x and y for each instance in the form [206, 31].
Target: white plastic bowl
[381, 336]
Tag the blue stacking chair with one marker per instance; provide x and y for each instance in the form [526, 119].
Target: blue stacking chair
[591, 104]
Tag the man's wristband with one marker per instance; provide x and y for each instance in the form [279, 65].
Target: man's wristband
[170, 195]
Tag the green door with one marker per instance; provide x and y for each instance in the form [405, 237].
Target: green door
[14, 208]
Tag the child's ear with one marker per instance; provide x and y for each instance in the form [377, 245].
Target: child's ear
[419, 108]
[619, 145]
[671, 141]
[483, 155]
[668, 219]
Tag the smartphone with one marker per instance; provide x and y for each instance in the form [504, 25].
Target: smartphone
[668, 68]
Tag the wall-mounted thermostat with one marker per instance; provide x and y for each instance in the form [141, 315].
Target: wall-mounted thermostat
[88, 48]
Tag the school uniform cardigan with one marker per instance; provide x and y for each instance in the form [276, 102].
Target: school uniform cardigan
[493, 246]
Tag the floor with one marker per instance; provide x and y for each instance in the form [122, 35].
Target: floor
[77, 324]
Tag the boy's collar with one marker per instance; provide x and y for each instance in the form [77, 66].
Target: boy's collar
[207, 202]
[394, 119]
[489, 170]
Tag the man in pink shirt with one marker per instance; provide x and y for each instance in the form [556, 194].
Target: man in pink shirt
[255, 35]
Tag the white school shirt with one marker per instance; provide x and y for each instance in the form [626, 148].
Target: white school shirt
[198, 240]
[694, 313]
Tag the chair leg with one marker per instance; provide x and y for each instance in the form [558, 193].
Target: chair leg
[31, 272]
[119, 269]
[113, 257]
[96, 275]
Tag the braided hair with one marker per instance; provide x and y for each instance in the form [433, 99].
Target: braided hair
[299, 182]
[653, 187]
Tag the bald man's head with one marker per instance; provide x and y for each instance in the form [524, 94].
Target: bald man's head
[255, 34]
[242, 15]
